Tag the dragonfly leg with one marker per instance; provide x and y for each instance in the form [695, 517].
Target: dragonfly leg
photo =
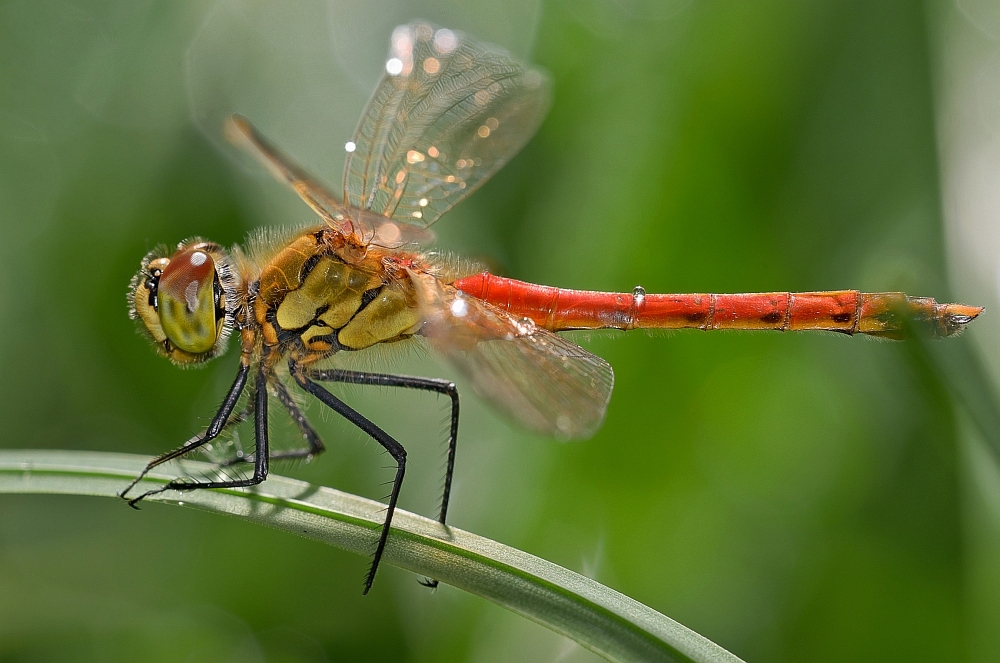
[314, 444]
[219, 423]
[407, 382]
[260, 450]
[394, 448]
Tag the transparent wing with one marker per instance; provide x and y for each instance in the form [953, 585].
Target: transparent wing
[369, 227]
[447, 114]
[538, 378]
[244, 135]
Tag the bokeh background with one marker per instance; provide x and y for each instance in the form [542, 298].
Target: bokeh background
[793, 498]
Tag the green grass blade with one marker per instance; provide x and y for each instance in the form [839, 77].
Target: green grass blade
[961, 368]
[600, 619]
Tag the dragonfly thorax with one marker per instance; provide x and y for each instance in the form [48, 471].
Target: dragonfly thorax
[181, 300]
[315, 297]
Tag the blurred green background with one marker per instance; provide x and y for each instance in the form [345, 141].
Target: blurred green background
[793, 498]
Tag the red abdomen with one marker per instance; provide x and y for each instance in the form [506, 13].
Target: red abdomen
[885, 314]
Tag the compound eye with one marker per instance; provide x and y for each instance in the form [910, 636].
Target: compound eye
[186, 301]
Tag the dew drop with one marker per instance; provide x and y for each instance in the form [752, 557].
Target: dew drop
[393, 66]
[445, 41]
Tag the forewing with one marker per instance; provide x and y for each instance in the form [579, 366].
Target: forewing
[538, 378]
[447, 114]
[369, 227]
[244, 135]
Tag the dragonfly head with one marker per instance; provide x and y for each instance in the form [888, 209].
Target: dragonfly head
[185, 301]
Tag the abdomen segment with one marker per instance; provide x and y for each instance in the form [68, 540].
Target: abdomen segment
[885, 314]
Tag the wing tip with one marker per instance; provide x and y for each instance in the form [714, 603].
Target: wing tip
[237, 129]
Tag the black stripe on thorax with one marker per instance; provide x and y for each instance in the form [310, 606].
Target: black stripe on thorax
[309, 265]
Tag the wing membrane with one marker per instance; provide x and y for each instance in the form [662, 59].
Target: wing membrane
[447, 114]
[369, 227]
[538, 378]
[244, 135]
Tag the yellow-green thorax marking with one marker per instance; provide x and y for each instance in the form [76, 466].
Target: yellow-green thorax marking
[314, 297]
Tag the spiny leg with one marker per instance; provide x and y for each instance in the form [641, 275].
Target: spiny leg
[260, 450]
[220, 422]
[394, 448]
[314, 446]
[407, 382]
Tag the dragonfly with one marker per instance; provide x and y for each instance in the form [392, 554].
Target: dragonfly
[447, 113]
